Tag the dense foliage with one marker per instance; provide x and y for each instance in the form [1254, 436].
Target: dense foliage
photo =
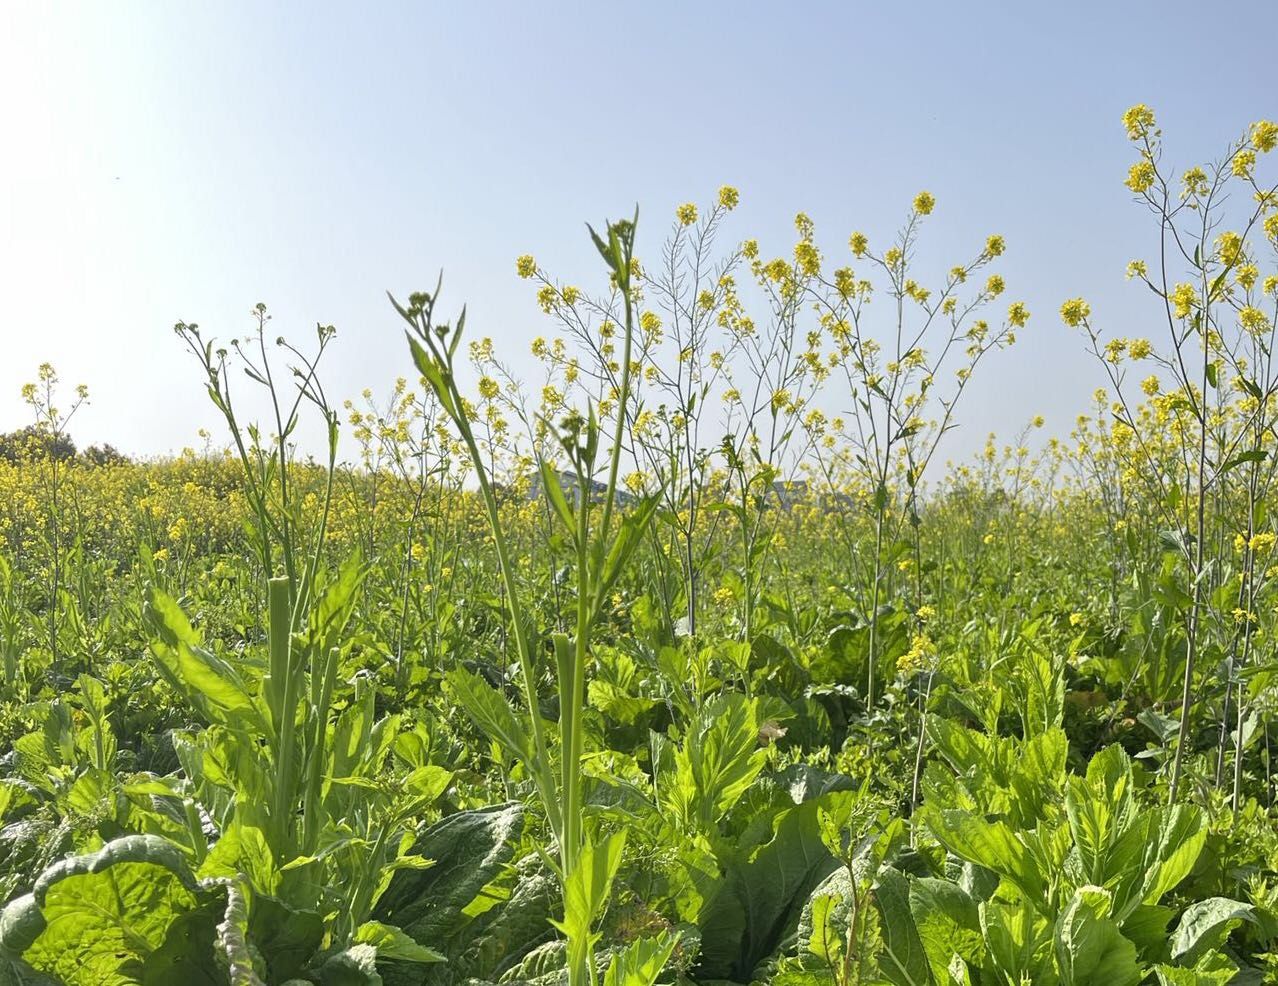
[690, 666]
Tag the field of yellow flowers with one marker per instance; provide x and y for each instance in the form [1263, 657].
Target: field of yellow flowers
[662, 669]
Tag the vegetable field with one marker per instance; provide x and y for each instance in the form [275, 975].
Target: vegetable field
[692, 660]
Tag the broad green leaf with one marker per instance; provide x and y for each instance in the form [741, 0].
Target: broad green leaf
[948, 922]
[1090, 949]
[1153, 855]
[1212, 969]
[758, 901]
[244, 850]
[105, 913]
[287, 938]
[716, 763]
[991, 844]
[586, 890]
[1019, 942]
[391, 943]
[1205, 925]
[826, 938]
[903, 959]
[470, 848]
[355, 966]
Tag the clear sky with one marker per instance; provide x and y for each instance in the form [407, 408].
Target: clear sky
[181, 160]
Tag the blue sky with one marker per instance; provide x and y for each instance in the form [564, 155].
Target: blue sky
[172, 161]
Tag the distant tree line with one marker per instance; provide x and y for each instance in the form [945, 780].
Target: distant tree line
[36, 442]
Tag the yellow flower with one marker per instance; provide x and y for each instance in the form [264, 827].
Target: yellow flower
[1018, 314]
[1150, 385]
[924, 203]
[1137, 268]
[918, 657]
[777, 270]
[1076, 619]
[994, 246]
[994, 285]
[488, 388]
[1230, 244]
[1038, 421]
[729, 197]
[1075, 311]
[1244, 161]
[988, 539]
[1264, 135]
[687, 214]
[1195, 184]
[525, 266]
[807, 258]
[859, 243]
[1253, 319]
[1139, 348]
[1140, 178]
[1138, 121]
[1183, 298]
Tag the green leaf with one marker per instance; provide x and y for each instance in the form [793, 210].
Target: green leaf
[500, 938]
[355, 966]
[490, 712]
[1205, 925]
[716, 764]
[1212, 969]
[903, 960]
[641, 962]
[1153, 855]
[209, 684]
[1019, 942]
[391, 943]
[104, 913]
[628, 537]
[1090, 949]
[948, 922]
[758, 902]
[1254, 455]
[287, 938]
[991, 844]
[470, 848]
[825, 937]
[244, 849]
[586, 890]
